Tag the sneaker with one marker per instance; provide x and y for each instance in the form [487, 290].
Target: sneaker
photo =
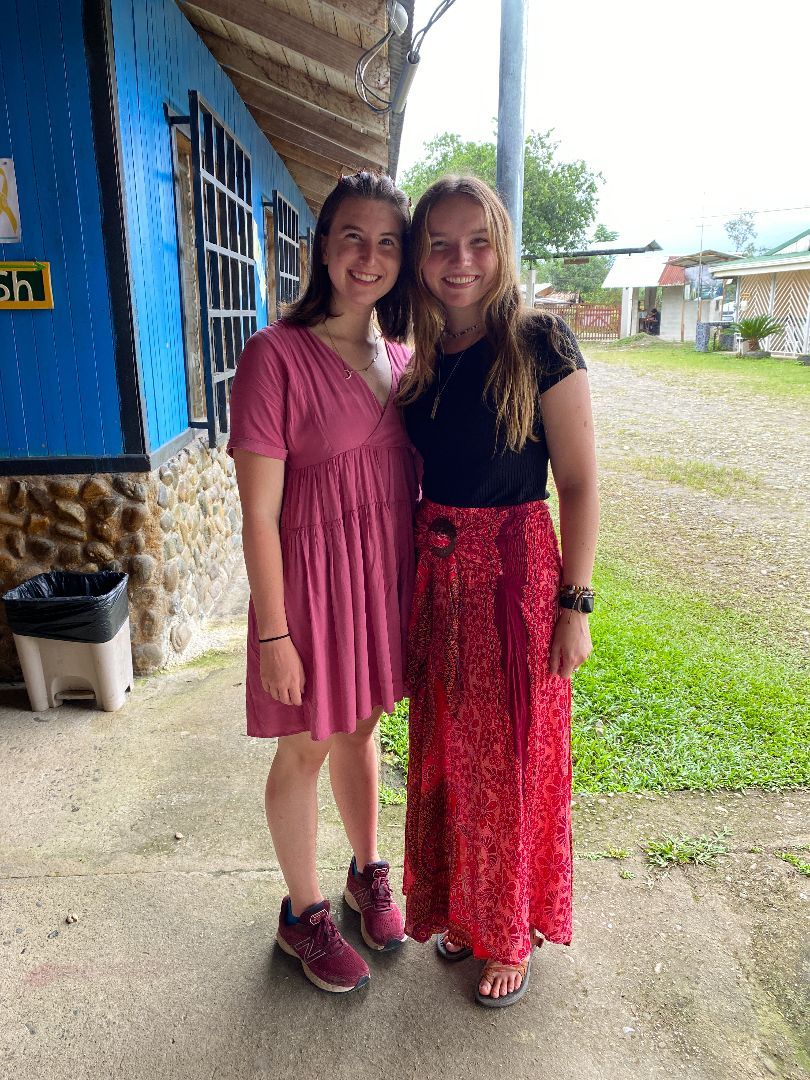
[370, 894]
[327, 959]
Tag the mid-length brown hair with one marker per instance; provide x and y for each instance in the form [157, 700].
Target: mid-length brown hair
[314, 305]
[512, 330]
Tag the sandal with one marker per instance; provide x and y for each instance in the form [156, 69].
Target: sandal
[445, 954]
[492, 969]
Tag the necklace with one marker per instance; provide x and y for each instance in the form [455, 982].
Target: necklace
[460, 333]
[440, 389]
[349, 371]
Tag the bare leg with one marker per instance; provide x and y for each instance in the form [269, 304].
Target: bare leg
[353, 771]
[291, 805]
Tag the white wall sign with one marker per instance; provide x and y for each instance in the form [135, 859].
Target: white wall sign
[9, 206]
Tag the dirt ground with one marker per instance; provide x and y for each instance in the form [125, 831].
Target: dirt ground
[752, 543]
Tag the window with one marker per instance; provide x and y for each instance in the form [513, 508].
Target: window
[305, 249]
[287, 251]
[189, 283]
[270, 263]
[223, 213]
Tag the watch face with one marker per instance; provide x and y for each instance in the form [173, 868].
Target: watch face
[586, 604]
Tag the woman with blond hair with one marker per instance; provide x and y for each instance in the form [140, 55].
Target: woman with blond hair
[495, 393]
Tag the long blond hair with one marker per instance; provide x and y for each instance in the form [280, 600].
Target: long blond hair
[512, 331]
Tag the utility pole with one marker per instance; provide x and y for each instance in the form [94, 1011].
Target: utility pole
[512, 113]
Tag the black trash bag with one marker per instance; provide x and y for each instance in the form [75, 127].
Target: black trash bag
[69, 607]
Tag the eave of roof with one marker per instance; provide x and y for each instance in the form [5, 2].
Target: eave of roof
[787, 243]
[798, 260]
[297, 80]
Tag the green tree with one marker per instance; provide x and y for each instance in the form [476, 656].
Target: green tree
[559, 198]
[584, 278]
[742, 232]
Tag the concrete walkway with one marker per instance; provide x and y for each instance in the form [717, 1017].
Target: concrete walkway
[171, 971]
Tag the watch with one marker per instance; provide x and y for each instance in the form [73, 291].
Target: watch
[577, 598]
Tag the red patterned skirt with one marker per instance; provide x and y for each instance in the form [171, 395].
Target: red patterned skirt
[488, 826]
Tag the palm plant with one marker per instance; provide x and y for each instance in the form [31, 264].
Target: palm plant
[753, 330]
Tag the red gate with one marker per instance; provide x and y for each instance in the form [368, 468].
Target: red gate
[589, 322]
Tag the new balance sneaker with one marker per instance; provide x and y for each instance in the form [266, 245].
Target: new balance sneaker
[369, 894]
[328, 959]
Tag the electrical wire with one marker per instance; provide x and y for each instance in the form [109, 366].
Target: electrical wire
[419, 36]
[367, 94]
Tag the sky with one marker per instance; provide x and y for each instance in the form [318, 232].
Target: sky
[691, 112]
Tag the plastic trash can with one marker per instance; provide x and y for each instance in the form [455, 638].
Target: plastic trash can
[72, 637]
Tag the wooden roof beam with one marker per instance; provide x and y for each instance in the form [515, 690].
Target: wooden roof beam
[276, 127]
[299, 87]
[310, 181]
[367, 12]
[286, 30]
[313, 120]
[328, 166]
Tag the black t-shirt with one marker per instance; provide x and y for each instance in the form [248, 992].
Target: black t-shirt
[463, 465]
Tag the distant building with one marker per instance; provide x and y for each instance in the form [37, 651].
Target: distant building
[688, 292]
[776, 284]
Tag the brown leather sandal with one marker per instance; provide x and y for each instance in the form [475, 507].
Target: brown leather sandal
[493, 968]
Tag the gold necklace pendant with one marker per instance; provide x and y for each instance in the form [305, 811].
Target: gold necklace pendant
[348, 372]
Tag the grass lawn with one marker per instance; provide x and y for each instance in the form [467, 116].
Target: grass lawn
[677, 695]
[717, 371]
[686, 689]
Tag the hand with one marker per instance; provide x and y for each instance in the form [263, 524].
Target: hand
[571, 645]
[282, 672]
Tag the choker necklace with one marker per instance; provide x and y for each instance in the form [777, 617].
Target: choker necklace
[441, 389]
[461, 333]
[349, 371]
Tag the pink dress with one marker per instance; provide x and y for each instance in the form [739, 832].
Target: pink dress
[346, 527]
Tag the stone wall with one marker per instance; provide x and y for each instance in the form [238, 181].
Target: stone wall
[177, 532]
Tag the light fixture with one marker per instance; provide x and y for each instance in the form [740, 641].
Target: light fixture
[397, 25]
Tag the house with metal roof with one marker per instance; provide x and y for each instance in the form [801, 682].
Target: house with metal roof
[682, 285]
[776, 284]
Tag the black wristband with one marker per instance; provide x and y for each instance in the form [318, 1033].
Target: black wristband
[577, 598]
[264, 640]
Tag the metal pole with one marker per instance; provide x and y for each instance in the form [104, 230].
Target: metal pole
[512, 112]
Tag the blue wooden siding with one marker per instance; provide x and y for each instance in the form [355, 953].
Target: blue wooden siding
[159, 58]
[58, 387]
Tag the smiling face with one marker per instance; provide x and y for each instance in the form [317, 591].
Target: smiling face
[462, 266]
[362, 252]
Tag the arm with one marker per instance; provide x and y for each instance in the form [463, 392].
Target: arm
[261, 486]
[568, 425]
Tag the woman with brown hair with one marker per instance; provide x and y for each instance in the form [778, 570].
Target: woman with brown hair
[500, 620]
[328, 486]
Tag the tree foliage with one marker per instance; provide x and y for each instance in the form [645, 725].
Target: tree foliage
[742, 232]
[584, 278]
[559, 198]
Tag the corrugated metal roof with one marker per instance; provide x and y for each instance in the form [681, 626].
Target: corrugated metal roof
[672, 275]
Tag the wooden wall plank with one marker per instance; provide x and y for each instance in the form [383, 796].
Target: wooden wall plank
[160, 56]
[26, 426]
